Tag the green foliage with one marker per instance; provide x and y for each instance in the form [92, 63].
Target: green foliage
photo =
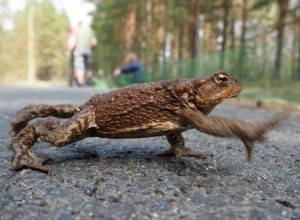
[51, 28]
[108, 32]
[50, 31]
[261, 3]
[109, 23]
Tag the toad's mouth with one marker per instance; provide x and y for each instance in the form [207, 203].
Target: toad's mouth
[234, 95]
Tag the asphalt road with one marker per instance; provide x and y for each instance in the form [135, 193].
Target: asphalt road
[122, 179]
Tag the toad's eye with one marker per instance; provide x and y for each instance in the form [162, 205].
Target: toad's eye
[220, 78]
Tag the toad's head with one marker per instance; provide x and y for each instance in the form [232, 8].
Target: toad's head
[210, 91]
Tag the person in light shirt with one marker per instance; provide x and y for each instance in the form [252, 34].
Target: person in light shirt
[84, 43]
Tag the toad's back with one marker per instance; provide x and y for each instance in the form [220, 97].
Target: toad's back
[140, 110]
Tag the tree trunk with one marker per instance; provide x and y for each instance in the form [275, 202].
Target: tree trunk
[180, 41]
[213, 34]
[232, 18]
[31, 52]
[283, 7]
[165, 30]
[297, 35]
[148, 58]
[226, 7]
[298, 69]
[194, 41]
[130, 29]
[243, 38]
[194, 28]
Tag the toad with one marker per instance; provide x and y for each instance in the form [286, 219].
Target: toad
[141, 110]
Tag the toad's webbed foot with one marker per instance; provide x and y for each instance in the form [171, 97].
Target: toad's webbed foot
[40, 111]
[24, 156]
[30, 160]
[178, 148]
[182, 152]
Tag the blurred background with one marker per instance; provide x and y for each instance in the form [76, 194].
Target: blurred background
[257, 41]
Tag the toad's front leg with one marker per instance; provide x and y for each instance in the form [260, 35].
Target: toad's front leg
[53, 131]
[247, 132]
[178, 148]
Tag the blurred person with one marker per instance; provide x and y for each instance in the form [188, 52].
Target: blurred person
[84, 43]
[132, 65]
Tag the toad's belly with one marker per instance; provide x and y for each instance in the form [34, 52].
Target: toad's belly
[140, 131]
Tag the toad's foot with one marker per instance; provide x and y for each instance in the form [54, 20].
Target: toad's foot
[30, 160]
[181, 152]
[178, 148]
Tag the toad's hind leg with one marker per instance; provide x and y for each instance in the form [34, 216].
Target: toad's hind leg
[178, 148]
[53, 131]
[40, 111]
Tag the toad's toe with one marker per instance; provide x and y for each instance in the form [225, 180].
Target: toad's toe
[31, 161]
[182, 152]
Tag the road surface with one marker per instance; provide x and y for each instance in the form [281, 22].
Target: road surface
[122, 179]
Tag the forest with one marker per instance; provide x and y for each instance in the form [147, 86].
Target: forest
[258, 41]
[252, 39]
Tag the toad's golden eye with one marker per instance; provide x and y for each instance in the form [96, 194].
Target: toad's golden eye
[220, 78]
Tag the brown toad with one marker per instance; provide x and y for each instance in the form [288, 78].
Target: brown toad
[141, 110]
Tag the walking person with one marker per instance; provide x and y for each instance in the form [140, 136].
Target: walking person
[84, 43]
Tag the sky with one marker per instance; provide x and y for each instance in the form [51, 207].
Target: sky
[77, 10]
